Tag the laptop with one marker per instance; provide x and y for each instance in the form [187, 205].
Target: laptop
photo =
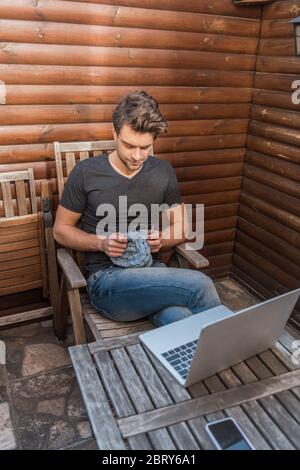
[208, 342]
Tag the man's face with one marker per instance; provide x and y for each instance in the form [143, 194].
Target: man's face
[133, 148]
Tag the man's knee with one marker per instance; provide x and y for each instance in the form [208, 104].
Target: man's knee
[198, 280]
[170, 315]
[203, 291]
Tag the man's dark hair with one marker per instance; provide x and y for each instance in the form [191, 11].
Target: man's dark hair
[140, 112]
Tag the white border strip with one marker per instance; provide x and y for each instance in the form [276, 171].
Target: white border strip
[2, 92]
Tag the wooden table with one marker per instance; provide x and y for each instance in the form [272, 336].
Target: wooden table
[134, 403]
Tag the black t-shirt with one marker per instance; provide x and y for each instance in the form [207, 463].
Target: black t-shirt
[94, 186]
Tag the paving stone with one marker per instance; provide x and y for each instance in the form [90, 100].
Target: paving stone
[233, 296]
[2, 353]
[14, 356]
[43, 357]
[53, 407]
[24, 331]
[44, 335]
[89, 444]
[33, 431]
[44, 386]
[7, 437]
[3, 391]
[3, 384]
[75, 407]
[24, 405]
[46, 324]
[38, 401]
[84, 430]
[61, 434]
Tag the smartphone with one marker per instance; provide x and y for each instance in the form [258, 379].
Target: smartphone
[226, 434]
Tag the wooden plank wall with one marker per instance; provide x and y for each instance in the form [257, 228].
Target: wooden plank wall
[267, 255]
[66, 63]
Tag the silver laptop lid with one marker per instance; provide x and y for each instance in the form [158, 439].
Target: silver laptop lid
[229, 341]
[169, 337]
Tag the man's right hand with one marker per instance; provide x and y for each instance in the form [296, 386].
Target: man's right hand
[115, 244]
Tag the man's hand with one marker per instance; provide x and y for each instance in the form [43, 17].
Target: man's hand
[115, 244]
[154, 240]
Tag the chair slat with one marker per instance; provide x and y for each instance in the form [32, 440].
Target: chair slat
[24, 278]
[42, 244]
[20, 254]
[7, 199]
[18, 223]
[86, 146]
[70, 162]
[59, 170]
[21, 197]
[32, 191]
[19, 245]
[11, 275]
[17, 236]
[83, 155]
[17, 263]
[14, 176]
[20, 287]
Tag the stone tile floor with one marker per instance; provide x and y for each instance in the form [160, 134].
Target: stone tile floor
[40, 402]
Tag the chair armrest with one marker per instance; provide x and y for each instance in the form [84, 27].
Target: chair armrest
[192, 256]
[70, 269]
[47, 218]
[46, 204]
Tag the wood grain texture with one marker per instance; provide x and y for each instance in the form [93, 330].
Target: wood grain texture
[67, 63]
[270, 194]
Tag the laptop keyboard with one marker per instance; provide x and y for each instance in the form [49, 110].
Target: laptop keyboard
[181, 357]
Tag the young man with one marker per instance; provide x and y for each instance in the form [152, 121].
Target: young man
[128, 293]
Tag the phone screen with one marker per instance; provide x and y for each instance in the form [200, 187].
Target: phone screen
[228, 436]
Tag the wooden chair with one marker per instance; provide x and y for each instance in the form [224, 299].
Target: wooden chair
[83, 314]
[23, 263]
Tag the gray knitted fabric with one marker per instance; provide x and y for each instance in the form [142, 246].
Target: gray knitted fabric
[137, 253]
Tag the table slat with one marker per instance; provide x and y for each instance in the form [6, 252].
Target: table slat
[255, 369]
[200, 406]
[239, 413]
[118, 396]
[103, 423]
[180, 394]
[160, 438]
[278, 405]
[180, 432]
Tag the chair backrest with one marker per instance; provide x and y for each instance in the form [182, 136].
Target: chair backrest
[67, 154]
[22, 243]
[13, 188]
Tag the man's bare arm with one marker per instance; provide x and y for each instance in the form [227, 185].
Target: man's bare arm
[67, 234]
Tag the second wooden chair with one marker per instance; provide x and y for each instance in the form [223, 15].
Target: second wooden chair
[23, 257]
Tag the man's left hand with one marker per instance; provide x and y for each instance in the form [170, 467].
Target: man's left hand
[154, 240]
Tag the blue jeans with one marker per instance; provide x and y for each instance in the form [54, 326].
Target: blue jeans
[163, 294]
